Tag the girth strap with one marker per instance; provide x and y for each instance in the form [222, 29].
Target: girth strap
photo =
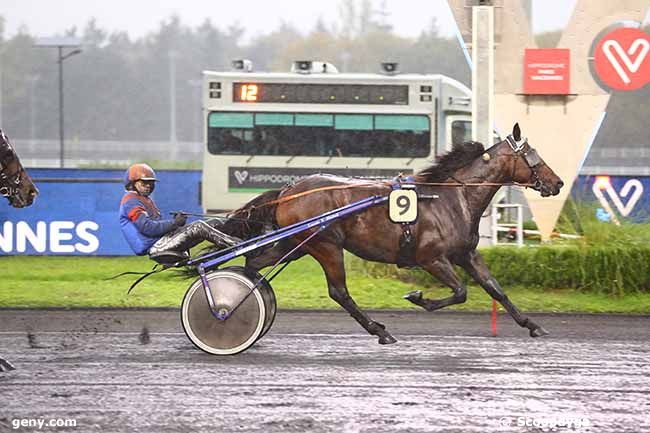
[407, 248]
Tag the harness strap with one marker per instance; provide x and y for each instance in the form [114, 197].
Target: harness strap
[311, 191]
[407, 248]
[388, 183]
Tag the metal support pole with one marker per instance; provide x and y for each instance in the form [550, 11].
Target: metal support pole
[483, 74]
[172, 105]
[495, 225]
[172, 97]
[197, 85]
[483, 80]
[60, 43]
[520, 226]
[61, 152]
[32, 114]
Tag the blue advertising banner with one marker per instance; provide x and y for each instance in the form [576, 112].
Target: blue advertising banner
[618, 198]
[76, 212]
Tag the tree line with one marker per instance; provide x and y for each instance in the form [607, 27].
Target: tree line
[118, 88]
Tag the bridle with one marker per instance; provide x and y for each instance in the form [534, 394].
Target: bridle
[529, 155]
[9, 182]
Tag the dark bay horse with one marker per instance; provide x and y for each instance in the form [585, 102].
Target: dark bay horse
[15, 183]
[446, 230]
[17, 187]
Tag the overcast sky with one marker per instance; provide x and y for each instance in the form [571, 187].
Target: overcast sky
[139, 17]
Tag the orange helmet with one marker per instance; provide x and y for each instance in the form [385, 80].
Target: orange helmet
[138, 172]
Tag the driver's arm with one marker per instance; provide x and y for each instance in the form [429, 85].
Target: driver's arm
[146, 225]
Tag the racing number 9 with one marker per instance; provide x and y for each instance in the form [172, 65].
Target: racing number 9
[402, 206]
[404, 203]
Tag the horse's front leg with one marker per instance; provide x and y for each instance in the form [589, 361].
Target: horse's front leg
[330, 257]
[443, 270]
[477, 269]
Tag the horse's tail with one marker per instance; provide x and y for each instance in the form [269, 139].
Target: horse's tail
[254, 218]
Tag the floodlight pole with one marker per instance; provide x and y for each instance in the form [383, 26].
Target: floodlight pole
[60, 43]
[32, 112]
[61, 135]
[61, 152]
[172, 97]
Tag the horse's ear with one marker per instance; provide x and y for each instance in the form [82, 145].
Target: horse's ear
[516, 132]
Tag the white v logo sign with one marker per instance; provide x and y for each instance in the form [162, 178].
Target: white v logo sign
[633, 186]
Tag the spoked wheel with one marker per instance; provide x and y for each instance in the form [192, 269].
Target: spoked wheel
[249, 322]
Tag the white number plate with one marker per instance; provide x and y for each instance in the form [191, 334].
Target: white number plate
[403, 206]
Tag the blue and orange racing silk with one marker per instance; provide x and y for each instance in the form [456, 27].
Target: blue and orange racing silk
[140, 222]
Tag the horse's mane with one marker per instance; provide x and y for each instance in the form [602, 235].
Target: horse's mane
[446, 165]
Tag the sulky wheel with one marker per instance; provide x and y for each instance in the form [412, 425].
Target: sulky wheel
[249, 322]
[267, 294]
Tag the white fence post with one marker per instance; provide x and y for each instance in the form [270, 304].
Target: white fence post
[506, 227]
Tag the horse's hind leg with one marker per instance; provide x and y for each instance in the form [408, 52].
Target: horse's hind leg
[476, 267]
[443, 270]
[330, 258]
[272, 255]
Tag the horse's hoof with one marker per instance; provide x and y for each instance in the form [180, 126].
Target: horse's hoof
[387, 339]
[538, 332]
[414, 296]
[5, 366]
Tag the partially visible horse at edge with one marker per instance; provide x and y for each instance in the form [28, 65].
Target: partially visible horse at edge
[17, 187]
[446, 230]
[15, 183]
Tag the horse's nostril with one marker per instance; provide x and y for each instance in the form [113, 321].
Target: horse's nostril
[560, 184]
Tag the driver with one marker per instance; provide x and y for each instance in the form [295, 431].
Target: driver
[166, 240]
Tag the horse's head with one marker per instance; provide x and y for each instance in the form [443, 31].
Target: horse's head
[15, 183]
[527, 167]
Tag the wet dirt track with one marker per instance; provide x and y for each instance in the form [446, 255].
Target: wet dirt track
[317, 372]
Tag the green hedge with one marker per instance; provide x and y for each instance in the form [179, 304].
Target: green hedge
[614, 270]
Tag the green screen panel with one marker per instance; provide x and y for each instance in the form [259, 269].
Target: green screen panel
[314, 120]
[274, 119]
[401, 122]
[353, 121]
[230, 120]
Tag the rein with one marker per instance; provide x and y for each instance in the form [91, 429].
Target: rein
[447, 184]
[219, 217]
[472, 184]
[311, 191]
